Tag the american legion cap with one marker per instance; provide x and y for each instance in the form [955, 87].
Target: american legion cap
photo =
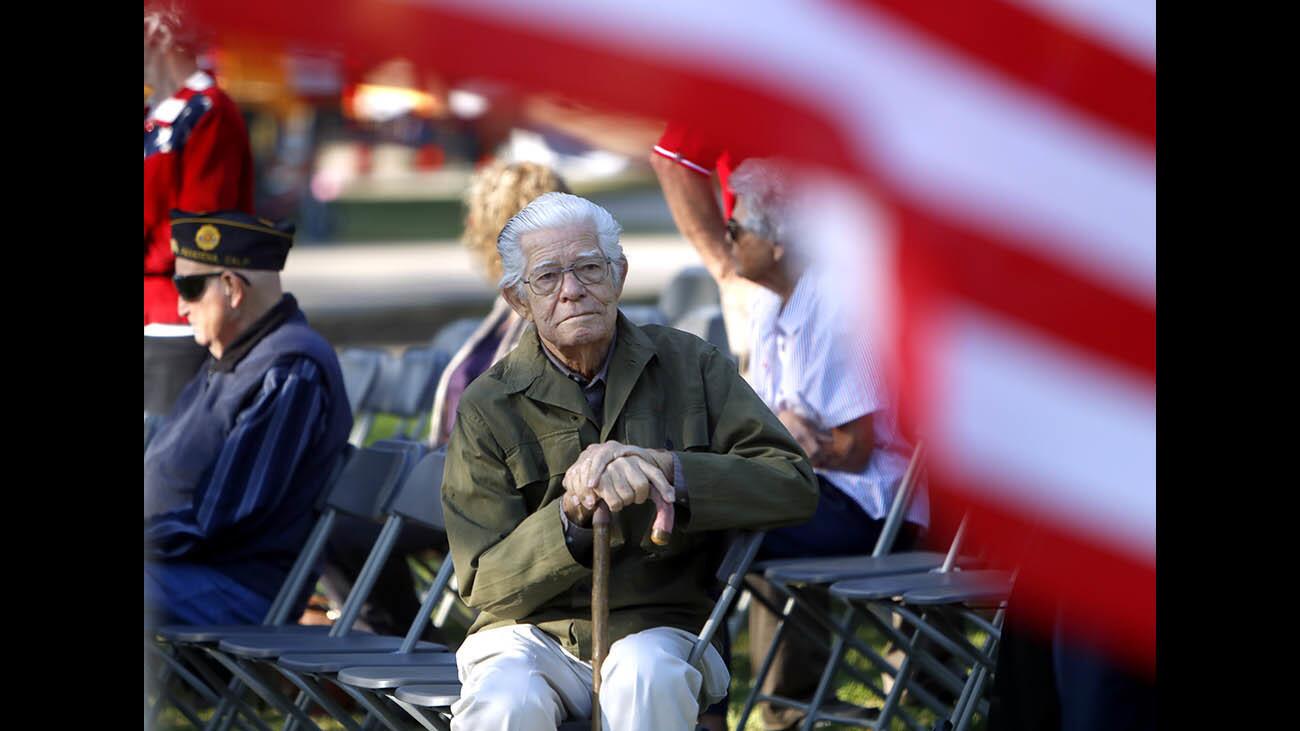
[231, 239]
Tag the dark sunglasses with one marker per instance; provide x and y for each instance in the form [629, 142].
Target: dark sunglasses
[733, 229]
[191, 287]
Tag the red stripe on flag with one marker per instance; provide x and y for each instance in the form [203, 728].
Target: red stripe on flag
[1054, 60]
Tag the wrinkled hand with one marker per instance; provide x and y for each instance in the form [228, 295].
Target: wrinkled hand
[812, 440]
[621, 475]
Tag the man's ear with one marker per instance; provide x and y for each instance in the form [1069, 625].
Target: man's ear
[622, 273]
[236, 287]
[778, 252]
[519, 306]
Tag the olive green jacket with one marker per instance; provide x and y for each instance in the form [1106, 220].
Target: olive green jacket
[521, 424]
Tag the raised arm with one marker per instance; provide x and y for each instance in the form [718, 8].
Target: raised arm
[694, 206]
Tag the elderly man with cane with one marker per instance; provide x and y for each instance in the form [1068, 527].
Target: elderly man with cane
[589, 409]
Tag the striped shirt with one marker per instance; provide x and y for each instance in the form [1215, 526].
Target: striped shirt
[808, 358]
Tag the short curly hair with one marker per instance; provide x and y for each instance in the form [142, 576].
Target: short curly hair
[497, 192]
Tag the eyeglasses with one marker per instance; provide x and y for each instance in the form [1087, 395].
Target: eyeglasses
[546, 280]
[733, 229]
[190, 287]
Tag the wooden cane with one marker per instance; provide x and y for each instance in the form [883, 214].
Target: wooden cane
[599, 604]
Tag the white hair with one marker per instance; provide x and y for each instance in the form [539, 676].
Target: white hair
[765, 186]
[553, 210]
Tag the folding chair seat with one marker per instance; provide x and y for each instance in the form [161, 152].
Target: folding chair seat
[416, 498]
[690, 288]
[427, 693]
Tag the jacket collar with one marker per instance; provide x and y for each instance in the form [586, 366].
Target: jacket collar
[283, 310]
[527, 370]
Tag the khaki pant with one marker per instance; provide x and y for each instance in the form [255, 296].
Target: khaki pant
[518, 678]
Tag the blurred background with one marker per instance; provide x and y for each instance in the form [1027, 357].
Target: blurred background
[372, 165]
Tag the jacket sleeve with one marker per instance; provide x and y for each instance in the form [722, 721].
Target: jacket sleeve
[255, 466]
[754, 475]
[508, 562]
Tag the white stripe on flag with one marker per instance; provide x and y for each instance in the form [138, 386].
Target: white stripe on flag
[958, 137]
[1047, 425]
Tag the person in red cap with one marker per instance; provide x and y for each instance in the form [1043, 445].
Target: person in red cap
[196, 158]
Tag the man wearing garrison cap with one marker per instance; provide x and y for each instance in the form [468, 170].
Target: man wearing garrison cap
[232, 474]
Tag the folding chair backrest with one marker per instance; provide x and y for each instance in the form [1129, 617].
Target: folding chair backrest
[688, 289]
[287, 597]
[644, 314]
[420, 497]
[902, 501]
[368, 481]
[360, 369]
[411, 394]
[706, 323]
[742, 547]
[454, 334]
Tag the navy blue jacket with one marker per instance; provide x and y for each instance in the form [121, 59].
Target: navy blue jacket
[231, 478]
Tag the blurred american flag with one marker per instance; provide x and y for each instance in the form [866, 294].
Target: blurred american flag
[1013, 142]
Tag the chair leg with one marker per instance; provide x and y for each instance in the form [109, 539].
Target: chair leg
[321, 696]
[374, 703]
[837, 651]
[268, 693]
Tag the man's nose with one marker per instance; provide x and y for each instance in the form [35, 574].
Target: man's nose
[182, 307]
[570, 287]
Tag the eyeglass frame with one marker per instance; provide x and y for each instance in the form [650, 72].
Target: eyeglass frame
[572, 268]
[178, 278]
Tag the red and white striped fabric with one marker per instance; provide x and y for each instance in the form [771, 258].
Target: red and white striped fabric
[1014, 143]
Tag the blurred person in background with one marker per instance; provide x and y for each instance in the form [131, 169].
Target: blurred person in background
[231, 478]
[496, 192]
[685, 162]
[819, 374]
[196, 158]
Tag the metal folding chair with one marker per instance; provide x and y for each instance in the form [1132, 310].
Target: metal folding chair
[706, 323]
[360, 368]
[938, 606]
[243, 655]
[689, 288]
[419, 500]
[363, 489]
[427, 693]
[172, 644]
[792, 577]
[644, 314]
